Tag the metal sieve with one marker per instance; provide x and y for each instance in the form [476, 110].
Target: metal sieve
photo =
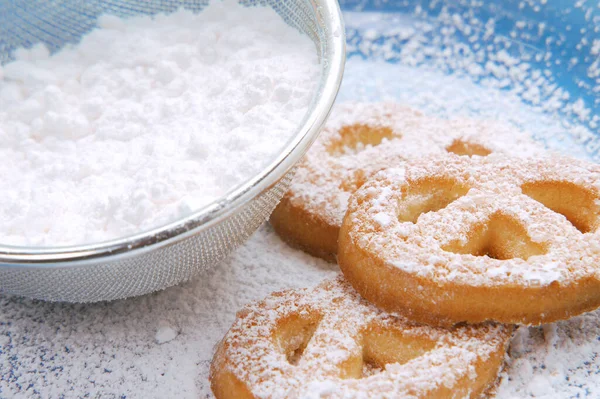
[170, 254]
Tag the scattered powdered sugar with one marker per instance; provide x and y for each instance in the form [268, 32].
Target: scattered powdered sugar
[146, 120]
[554, 361]
[447, 72]
[110, 350]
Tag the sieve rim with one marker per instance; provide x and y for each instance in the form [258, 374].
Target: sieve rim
[333, 59]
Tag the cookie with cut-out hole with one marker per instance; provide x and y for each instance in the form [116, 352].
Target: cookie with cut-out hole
[455, 239]
[327, 342]
[361, 139]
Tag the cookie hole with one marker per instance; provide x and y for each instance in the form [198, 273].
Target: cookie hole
[370, 368]
[463, 147]
[502, 237]
[294, 334]
[358, 137]
[428, 195]
[383, 345]
[574, 202]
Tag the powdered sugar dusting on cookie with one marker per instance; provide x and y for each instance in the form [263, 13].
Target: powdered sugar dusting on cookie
[251, 351]
[382, 218]
[496, 188]
[325, 179]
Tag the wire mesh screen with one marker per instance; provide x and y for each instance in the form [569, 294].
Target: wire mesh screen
[55, 23]
[24, 23]
[137, 275]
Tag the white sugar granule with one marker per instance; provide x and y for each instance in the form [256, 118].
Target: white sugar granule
[146, 120]
[165, 333]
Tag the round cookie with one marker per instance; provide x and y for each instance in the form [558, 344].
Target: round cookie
[457, 239]
[328, 342]
[361, 139]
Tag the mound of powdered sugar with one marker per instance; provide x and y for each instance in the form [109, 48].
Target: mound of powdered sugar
[146, 120]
